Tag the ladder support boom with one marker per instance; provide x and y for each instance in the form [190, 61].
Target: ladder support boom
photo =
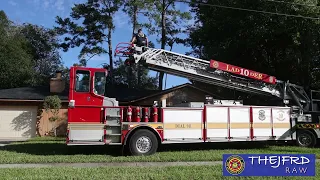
[218, 73]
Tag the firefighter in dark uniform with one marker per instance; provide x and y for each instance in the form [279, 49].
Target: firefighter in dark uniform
[140, 39]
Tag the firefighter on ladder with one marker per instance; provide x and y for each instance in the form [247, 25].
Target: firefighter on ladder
[140, 40]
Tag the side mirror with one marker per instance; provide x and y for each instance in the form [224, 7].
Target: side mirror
[71, 103]
[155, 103]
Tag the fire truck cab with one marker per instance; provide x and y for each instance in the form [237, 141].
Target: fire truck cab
[94, 119]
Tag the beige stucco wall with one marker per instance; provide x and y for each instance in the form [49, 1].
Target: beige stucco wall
[44, 125]
[17, 122]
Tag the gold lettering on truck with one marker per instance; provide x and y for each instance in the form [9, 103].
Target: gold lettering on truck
[182, 126]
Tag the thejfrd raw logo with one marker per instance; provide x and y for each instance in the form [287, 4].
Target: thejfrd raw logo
[269, 164]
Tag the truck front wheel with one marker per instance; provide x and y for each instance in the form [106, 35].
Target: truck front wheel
[142, 143]
[306, 139]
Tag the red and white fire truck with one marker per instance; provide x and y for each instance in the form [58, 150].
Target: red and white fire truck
[94, 119]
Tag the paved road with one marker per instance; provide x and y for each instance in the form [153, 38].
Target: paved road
[124, 164]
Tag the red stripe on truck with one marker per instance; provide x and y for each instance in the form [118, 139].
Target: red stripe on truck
[204, 130]
[251, 123]
[243, 72]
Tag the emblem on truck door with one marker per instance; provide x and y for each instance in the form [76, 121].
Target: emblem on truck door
[280, 115]
[262, 115]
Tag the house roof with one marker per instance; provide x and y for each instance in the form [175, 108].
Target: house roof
[37, 93]
[124, 94]
[121, 93]
[174, 89]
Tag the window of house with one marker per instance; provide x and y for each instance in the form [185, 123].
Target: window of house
[99, 83]
[82, 81]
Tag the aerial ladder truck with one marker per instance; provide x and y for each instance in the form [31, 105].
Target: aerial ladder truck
[94, 119]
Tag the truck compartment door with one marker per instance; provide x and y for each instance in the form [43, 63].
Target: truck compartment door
[183, 124]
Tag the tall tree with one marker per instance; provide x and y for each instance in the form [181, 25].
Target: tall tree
[15, 58]
[46, 57]
[287, 47]
[94, 30]
[5, 24]
[29, 55]
[121, 77]
[166, 21]
[133, 8]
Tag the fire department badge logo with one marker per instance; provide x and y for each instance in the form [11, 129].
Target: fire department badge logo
[215, 64]
[262, 115]
[270, 79]
[235, 165]
[280, 116]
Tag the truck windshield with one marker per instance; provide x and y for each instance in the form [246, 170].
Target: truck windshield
[82, 81]
[99, 83]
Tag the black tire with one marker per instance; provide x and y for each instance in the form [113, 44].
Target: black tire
[306, 139]
[138, 149]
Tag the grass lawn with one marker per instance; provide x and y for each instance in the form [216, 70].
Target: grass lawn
[54, 150]
[178, 172]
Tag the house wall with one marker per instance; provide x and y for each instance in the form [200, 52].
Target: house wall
[178, 96]
[17, 122]
[44, 125]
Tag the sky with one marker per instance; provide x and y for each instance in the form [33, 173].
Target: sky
[44, 12]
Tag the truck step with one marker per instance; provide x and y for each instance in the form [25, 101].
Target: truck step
[114, 116]
[115, 144]
[113, 134]
[88, 143]
[113, 125]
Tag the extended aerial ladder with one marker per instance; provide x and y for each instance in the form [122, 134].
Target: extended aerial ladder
[216, 73]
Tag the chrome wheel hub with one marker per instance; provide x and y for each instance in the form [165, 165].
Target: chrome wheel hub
[143, 144]
[305, 139]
